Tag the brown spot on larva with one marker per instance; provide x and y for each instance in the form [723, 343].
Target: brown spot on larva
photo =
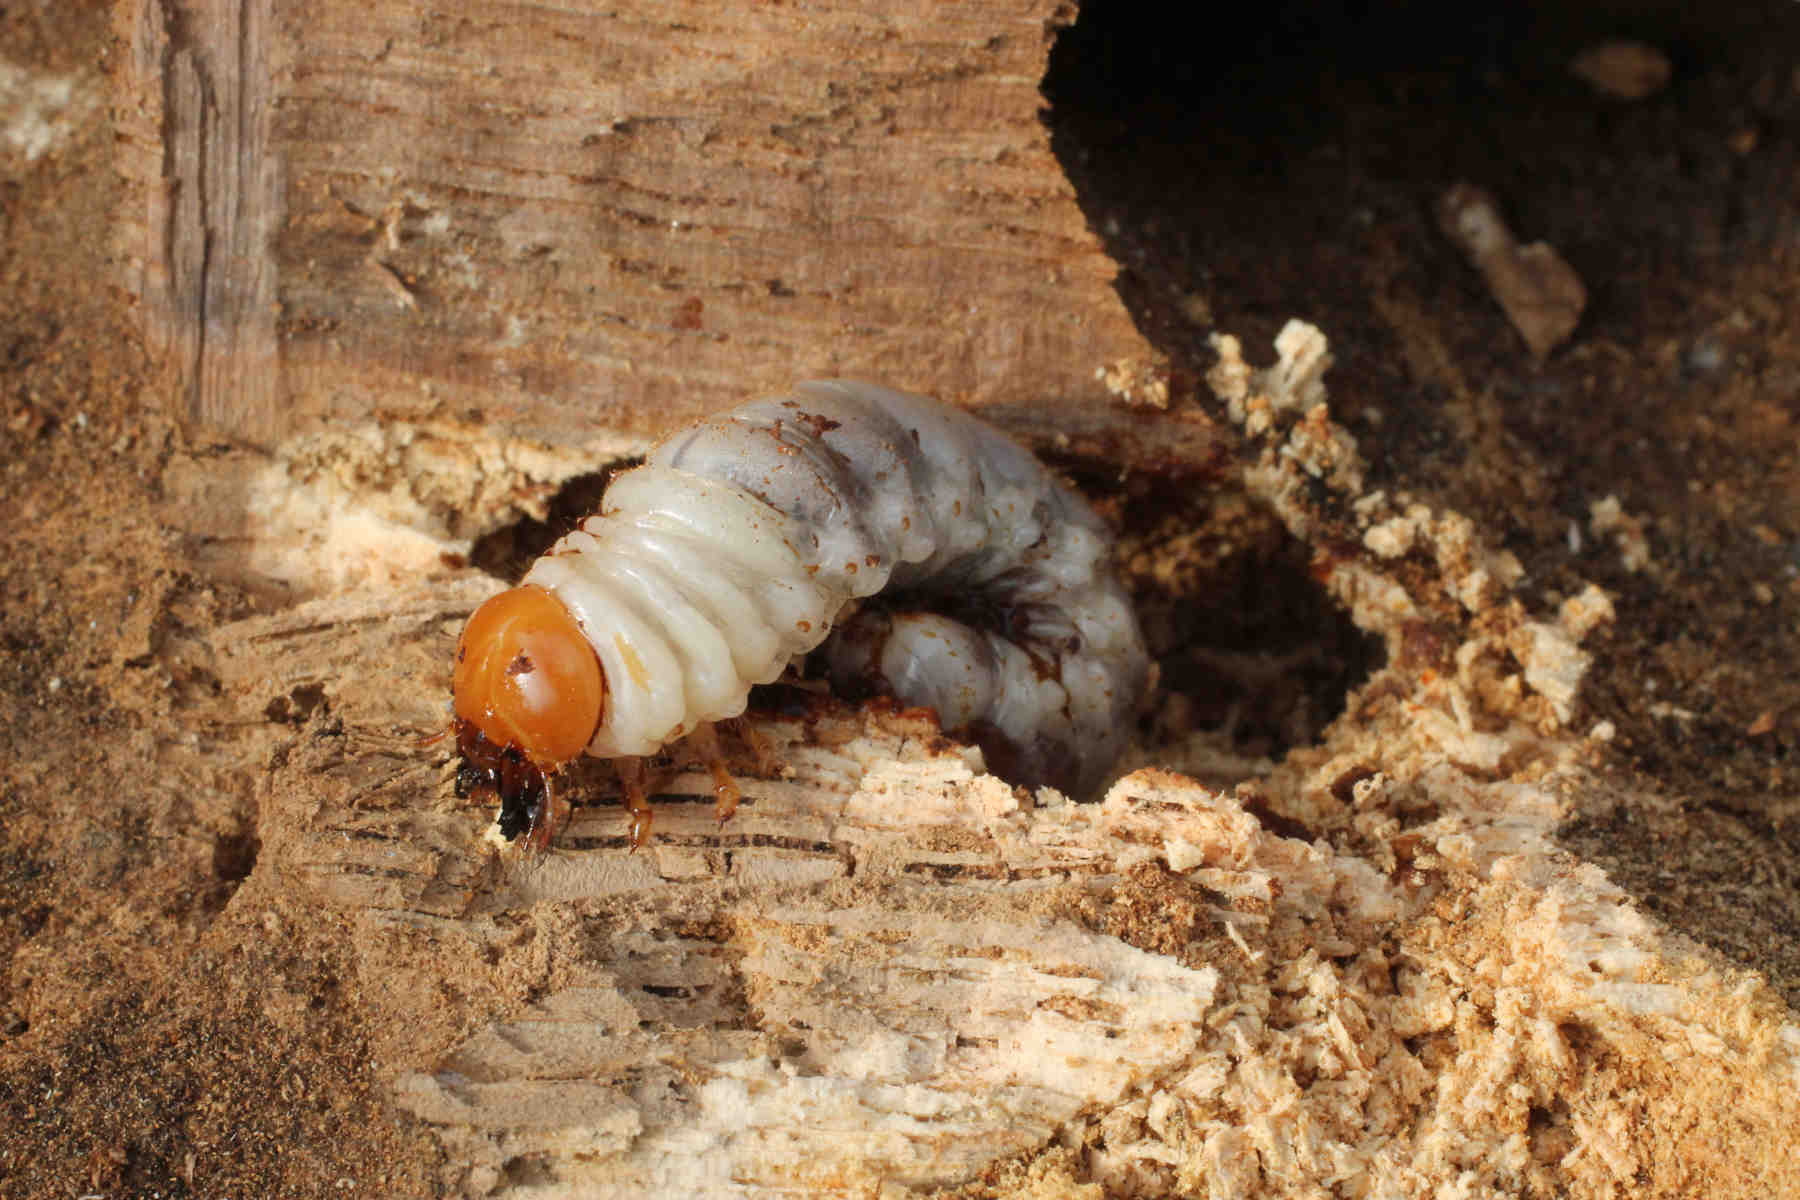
[957, 508]
[803, 626]
[849, 568]
[820, 425]
[873, 560]
[521, 665]
[906, 522]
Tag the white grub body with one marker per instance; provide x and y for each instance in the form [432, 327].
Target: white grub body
[934, 559]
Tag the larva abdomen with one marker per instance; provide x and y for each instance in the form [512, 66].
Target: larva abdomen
[955, 570]
[877, 492]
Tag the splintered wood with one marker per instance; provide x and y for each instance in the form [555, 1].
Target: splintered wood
[1541, 293]
[1370, 968]
[600, 214]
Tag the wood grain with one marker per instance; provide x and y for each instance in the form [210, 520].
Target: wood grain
[623, 215]
[194, 123]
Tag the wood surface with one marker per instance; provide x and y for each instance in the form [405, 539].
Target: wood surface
[1367, 965]
[579, 216]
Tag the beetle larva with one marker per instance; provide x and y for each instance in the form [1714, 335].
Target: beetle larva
[919, 550]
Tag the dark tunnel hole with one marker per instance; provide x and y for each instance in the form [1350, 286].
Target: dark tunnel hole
[234, 857]
[1265, 657]
[1250, 648]
[507, 552]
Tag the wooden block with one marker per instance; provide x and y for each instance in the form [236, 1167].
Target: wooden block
[623, 215]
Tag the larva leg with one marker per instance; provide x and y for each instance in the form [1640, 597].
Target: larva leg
[633, 779]
[547, 819]
[761, 752]
[704, 742]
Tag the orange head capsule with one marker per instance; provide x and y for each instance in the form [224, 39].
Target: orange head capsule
[528, 694]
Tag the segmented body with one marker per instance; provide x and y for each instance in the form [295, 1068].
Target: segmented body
[739, 543]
